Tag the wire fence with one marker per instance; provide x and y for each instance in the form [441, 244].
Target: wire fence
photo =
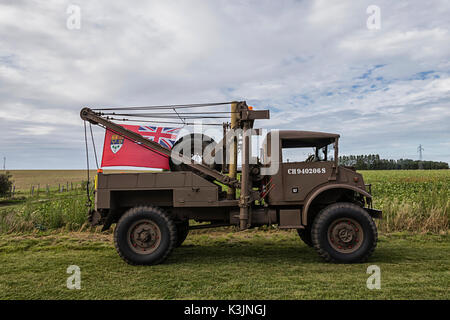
[37, 190]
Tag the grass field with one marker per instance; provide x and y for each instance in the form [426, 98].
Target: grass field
[24, 179]
[41, 236]
[221, 265]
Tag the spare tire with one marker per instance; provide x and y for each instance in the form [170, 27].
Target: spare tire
[193, 145]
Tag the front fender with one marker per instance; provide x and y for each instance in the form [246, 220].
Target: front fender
[315, 193]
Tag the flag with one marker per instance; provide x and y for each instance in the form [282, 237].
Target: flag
[120, 151]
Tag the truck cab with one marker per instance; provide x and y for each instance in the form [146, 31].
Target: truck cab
[308, 167]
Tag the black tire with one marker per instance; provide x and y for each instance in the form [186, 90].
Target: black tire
[158, 229]
[182, 232]
[305, 235]
[344, 233]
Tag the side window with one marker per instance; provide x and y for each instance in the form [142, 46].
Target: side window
[308, 154]
[297, 154]
[330, 151]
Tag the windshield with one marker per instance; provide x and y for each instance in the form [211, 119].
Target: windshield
[310, 154]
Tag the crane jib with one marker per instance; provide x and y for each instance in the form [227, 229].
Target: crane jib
[88, 115]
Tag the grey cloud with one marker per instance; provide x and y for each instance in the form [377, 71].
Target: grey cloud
[301, 59]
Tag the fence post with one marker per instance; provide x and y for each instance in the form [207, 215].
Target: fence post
[32, 190]
[39, 187]
[13, 190]
[48, 190]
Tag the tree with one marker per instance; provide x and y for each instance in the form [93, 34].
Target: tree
[5, 183]
[374, 162]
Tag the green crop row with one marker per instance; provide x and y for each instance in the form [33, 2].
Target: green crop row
[411, 200]
[415, 200]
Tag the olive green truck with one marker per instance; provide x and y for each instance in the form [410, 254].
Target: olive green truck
[329, 205]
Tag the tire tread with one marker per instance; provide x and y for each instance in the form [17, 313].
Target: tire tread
[170, 224]
[322, 217]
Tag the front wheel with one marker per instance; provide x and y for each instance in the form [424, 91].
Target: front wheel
[344, 233]
[305, 235]
[145, 236]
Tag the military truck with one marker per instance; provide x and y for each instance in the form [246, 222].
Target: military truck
[329, 205]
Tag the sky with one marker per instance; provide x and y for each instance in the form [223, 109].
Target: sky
[383, 85]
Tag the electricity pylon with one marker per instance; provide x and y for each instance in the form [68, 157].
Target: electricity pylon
[419, 150]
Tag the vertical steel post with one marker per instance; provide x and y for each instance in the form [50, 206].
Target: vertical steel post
[244, 201]
[232, 162]
[224, 159]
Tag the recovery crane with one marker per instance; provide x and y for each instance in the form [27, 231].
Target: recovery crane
[327, 204]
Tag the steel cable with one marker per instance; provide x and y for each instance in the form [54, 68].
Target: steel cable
[93, 144]
[88, 203]
[169, 122]
[179, 106]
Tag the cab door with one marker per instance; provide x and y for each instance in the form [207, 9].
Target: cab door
[299, 178]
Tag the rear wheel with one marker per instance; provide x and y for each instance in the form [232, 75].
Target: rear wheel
[182, 232]
[345, 233]
[145, 236]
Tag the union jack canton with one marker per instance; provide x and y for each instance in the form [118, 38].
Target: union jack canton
[163, 135]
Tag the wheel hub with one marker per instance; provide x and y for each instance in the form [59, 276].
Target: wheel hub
[144, 237]
[345, 235]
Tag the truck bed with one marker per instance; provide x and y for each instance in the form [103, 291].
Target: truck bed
[176, 189]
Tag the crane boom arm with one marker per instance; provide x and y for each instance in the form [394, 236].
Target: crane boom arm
[94, 118]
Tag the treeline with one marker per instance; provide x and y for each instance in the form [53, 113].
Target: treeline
[374, 162]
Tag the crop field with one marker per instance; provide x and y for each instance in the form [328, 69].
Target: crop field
[41, 235]
[25, 179]
[416, 200]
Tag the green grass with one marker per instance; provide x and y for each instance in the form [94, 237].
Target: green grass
[267, 264]
[223, 264]
[57, 210]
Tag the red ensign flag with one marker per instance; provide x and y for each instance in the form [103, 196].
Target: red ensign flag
[119, 151]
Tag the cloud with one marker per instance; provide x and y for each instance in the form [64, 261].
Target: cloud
[314, 64]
